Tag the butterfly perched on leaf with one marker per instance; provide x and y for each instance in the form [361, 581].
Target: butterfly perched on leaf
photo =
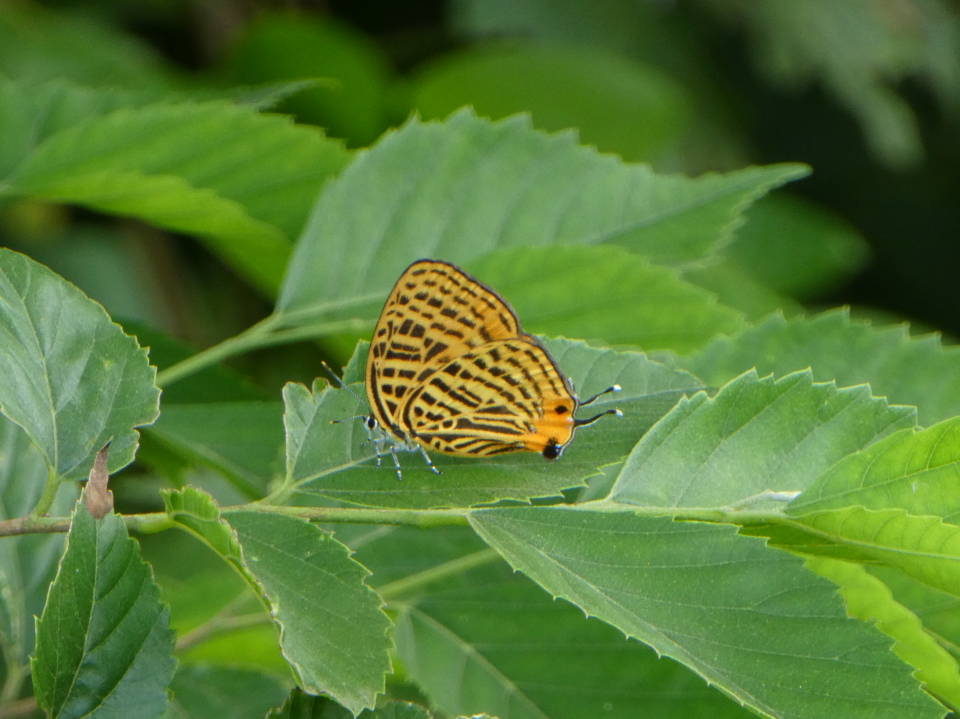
[450, 370]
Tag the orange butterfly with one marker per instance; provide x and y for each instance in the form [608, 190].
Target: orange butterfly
[451, 370]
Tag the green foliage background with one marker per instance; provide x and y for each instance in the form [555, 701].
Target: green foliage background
[201, 202]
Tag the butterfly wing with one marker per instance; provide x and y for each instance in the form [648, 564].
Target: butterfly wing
[435, 313]
[504, 396]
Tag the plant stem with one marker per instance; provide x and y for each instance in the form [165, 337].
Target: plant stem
[262, 334]
[33, 525]
[364, 515]
[254, 336]
[50, 488]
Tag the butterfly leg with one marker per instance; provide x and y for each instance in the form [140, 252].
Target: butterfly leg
[396, 461]
[426, 458]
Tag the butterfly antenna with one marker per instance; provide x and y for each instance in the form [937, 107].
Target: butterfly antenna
[608, 390]
[342, 385]
[591, 420]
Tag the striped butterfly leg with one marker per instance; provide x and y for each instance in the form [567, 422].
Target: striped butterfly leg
[394, 452]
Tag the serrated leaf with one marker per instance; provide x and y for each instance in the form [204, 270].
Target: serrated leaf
[462, 188]
[756, 434]
[868, 599]
[519, 654]
[71, 378]
[242, 440]
[939, 611]
[336, 461]
[332, 630]
[604, 292]
[240, 180]
[912, 470]
[924, 547]
[208, 690]
[905, 369]
[28, 562]
[746, 617]
[103, 640]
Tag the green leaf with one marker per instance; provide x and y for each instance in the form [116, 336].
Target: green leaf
[332, 630]
[746, 617]
[303, 706]
[754, 435]
[103, 641]
[336, 461]
[518, 653]
[796, 247]
[907, 370]
[217, 383]
[736, 288]
[939, 611]
[280, 45]
[72, 379]
[40, 44]
[207, 690]
[912, 470]
[867, 598]
[465, 187]
[241, 181]
[924, 547]
[617, 104]
[28, 562]
[604, 292]
[242, 440]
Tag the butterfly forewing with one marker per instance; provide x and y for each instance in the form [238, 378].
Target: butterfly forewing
[434, 314]
[505, 396]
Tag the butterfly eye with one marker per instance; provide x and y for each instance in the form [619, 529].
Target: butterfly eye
[371, 422]
[552, 450]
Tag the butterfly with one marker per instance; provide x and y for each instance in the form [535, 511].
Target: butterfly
[450, 370]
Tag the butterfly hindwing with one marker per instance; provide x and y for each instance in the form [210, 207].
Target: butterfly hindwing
[504, 396]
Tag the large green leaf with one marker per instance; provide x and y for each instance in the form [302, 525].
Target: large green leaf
[754, 435]
[103, 640]
[746, 617]
[916, 471]
[70, 377]
[617, 104]
[332, 630]
[240, 180]
[519, 654]
[335, 461]
[462, 188]
[926, 548]
[905, 369]
[604, 292]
